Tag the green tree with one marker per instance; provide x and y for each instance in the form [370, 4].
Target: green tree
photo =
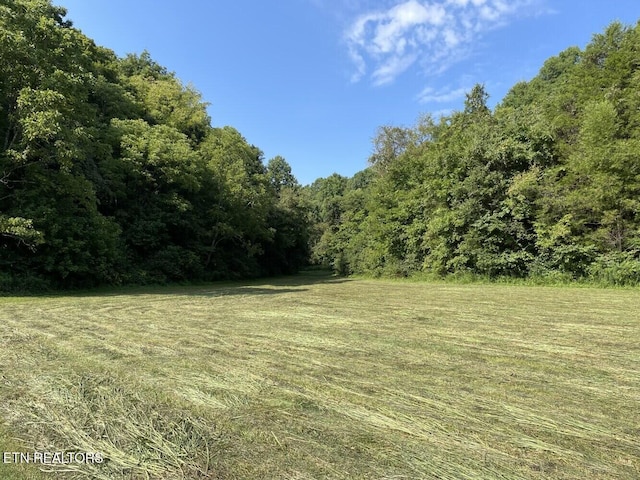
[279, 174]
[110, 171]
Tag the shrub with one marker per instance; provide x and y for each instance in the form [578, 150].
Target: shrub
[616, 268]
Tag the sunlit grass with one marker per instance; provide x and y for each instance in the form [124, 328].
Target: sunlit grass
[316, 377]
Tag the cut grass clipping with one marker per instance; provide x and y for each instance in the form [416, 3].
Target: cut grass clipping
[315, 377]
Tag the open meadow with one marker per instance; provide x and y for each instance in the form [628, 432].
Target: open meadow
[313, 376]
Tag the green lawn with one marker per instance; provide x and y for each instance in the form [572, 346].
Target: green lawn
[316, 377]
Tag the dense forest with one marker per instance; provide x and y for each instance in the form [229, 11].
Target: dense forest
[112, 173]
[546, 185]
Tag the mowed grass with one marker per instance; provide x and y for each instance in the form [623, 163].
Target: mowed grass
[317, 377]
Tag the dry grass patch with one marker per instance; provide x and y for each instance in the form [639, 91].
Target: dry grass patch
[315, 377]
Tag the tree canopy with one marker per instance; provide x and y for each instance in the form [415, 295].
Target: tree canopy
[547, 184]
[111, 172]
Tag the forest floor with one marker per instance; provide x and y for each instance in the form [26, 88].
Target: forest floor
[313, 376]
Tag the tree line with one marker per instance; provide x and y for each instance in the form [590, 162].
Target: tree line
[545, 185]
[112, 173]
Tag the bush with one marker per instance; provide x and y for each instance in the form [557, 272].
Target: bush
[616, 268]
[11, 283]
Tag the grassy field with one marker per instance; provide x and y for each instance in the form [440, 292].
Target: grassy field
[317, 377]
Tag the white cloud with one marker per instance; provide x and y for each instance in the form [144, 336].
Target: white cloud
[431, 33]
[389, 70]
[445, 112]
[429, 95]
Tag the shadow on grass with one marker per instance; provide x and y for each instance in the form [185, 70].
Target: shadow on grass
[222, 292]
[257, 286]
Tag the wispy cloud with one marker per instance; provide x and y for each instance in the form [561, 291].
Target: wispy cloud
[445, 95]
[434, 34]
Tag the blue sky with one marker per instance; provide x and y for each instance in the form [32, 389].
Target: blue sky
[312, 80]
